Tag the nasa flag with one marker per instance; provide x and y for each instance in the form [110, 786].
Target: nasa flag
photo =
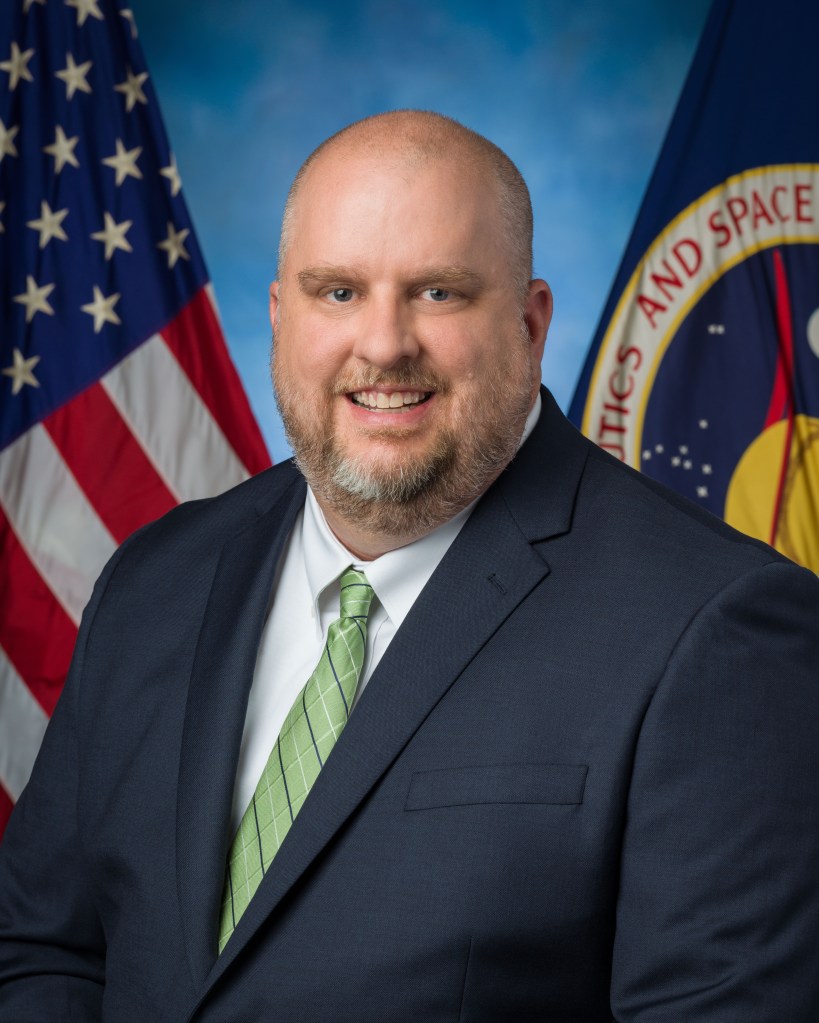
[704, 371]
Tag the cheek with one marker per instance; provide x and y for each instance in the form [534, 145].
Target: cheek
[461, 355]
[307, 357]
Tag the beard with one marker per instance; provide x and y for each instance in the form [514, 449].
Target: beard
[408, 494]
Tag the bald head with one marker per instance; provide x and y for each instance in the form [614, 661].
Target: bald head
[414, 138]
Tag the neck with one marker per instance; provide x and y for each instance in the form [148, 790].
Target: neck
[364, 544]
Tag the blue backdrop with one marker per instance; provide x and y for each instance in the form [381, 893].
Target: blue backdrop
[579, 95]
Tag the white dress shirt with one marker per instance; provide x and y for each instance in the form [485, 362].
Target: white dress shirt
[306, 603]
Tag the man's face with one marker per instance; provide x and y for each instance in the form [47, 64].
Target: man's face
[403, 365]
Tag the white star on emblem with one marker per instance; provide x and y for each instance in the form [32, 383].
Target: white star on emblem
[49, 224]
[676, 460]
[113, 235]
[20, 371]
[128, 14]
[17, 66]
[687, 463]
[171, 172]
[7, 147]
[683, 449]
[27, 4]
[131, 89]
[2, 226]
[702, 491]
[707, 470]
[174, 245]
[74, 76]
[35, 299]
[102, 309]
[703, 424]
[659, 448]
[62, 149]
[124, 162]
[84, 9]
[646, 455]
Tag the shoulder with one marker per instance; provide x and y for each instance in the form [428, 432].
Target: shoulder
[629, 544]
[208, 520]
[182, 547]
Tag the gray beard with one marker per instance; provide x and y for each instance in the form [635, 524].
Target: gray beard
[417, 496]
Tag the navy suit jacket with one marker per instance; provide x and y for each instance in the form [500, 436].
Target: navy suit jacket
[580, 786]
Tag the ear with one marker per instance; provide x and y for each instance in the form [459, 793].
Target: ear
[537, 314]
[274, 304]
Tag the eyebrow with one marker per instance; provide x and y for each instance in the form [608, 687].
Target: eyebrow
[453, 273]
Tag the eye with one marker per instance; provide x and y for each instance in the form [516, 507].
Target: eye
[437, 294]
[341, 295]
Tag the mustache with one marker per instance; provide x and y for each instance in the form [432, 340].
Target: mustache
[409, 375]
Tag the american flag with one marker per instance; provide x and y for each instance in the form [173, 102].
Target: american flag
[118, 398]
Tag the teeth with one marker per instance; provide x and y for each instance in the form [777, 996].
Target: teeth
[396, 400]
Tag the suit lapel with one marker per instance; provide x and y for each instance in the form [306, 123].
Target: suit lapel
[214, 720]
[484, 576]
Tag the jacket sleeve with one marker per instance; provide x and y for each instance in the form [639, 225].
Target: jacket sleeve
[52, 948]
[718, 910]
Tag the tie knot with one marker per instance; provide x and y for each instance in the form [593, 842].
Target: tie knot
[356, 595]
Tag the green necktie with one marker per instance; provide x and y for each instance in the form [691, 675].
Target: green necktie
[306, 739]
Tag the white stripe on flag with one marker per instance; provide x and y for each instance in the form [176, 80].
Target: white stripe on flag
[22, 727]
[53, 519]
[169, 419]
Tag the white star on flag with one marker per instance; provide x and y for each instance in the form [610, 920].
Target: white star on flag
[124, 162]
[128, 14]
[102, 309]
[174, 245]
[62, 149]
[113, 235]
[74, 76]
[49, 224]
[20, 371]
[17, 66]
[707, 470]
[35, 298]
[84, 9]
[171, 172]
[7, 147]
[131, 89]
[702, 491]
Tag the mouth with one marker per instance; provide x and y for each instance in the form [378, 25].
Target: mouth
[391, 402]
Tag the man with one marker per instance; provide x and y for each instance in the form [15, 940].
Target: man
[578, 779]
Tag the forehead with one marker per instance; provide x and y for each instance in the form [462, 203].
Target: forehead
[385, 208]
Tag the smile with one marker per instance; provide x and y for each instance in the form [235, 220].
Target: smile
[397, 401]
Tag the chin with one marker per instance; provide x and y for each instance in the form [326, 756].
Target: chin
[396, 479]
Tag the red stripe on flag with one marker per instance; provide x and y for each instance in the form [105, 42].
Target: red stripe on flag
[195, 338]
[781, 403]
[784, 380]
[108, 463]
[6, 806]
[35, 632]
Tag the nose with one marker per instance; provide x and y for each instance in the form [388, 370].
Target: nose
[385, 334]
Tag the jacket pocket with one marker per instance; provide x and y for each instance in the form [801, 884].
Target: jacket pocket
[561, 784]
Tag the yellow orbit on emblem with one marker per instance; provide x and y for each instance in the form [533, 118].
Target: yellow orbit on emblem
[782, 511]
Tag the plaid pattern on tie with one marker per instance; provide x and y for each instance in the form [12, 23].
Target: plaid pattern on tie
[306, 739]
